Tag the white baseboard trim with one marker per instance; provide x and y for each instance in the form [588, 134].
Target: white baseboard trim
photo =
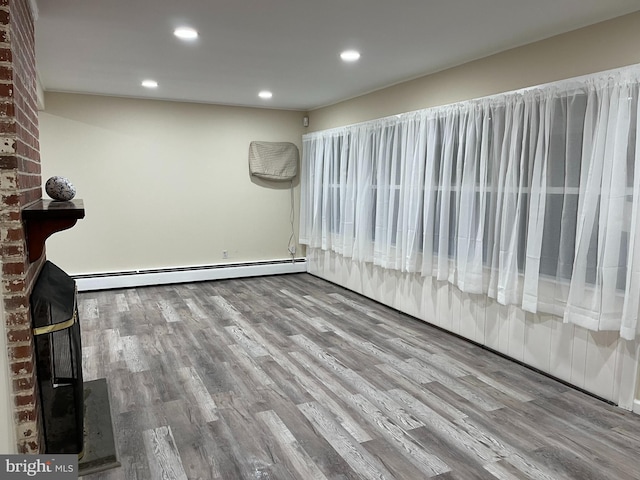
[141, 278]
[636, 406]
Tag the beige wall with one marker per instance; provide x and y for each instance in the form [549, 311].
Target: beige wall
[165, 184]
[603, 46]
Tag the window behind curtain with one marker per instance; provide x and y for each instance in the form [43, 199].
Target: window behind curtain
[529, 197]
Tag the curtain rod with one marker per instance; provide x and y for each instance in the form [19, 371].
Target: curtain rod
[581, 79]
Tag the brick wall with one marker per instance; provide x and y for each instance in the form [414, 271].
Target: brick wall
[20, 185]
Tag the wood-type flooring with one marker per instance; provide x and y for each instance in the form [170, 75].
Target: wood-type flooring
[292, 377]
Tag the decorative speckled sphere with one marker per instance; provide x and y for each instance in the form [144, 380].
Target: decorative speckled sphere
[60, 188]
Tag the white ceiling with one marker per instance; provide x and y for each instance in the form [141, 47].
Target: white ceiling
[290, 47]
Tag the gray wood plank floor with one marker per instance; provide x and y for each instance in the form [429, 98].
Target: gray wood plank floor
[291, 377]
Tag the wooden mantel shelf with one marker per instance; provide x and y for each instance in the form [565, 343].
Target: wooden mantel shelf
[46, 217]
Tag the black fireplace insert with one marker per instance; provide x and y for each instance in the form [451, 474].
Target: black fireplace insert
[56, 329]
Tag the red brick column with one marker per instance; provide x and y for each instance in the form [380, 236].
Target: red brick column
[20, 185]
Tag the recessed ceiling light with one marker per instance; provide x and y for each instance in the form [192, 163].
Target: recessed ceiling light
[266, 94]
[149, 84]
[350, 55]
[186, 33]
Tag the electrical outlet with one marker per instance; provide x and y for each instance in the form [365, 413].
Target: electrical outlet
[225, 254]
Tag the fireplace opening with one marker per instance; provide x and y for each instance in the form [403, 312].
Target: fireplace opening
[56, 329]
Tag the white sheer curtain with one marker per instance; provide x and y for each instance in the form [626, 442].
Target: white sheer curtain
[529, 197]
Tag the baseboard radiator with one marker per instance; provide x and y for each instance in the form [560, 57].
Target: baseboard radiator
[166, 276]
